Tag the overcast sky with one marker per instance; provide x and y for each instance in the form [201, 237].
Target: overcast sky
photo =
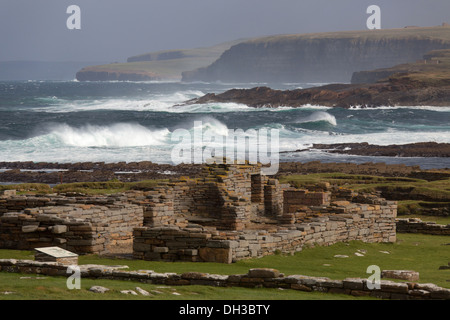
[112, 30]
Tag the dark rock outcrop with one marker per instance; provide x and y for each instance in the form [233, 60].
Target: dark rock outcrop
[54, 173]
[421, 149]
[403, 93]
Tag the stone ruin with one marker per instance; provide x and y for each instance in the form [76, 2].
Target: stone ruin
[230, 212]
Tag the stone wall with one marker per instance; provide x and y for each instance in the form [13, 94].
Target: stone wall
[82, 225]
[330, 224]
[414, 225]
[254, 278]
[233, 212]
[297, 199]
[224, 196]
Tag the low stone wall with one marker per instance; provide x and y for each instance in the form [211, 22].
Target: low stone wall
[81, 228]
[255, 278]
[414, 225]
[12, 203]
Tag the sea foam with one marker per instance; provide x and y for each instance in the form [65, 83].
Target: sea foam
[113, 136]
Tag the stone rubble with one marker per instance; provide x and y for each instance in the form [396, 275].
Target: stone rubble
[415, 225]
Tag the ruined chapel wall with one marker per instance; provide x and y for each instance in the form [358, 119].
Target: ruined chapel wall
[223, 196]
[79, 228]
[368, 223]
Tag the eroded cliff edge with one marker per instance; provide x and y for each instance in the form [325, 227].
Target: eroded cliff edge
[422, 83]
[321, 57]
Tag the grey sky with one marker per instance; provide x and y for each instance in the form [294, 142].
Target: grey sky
[113, 30]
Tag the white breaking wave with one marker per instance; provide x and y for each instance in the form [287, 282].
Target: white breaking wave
[171, 103]
[155, 102]
[211, 124]
[134, 142]
[430, 108]
[319, 116]
[210, 108]
[116, 135]
[298, 140]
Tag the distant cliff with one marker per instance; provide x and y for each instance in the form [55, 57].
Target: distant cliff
[321, 57]
[102, 73]
[160, 65]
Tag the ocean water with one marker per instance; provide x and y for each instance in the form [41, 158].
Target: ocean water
[70, 121]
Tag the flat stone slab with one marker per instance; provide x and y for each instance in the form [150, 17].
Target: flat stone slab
[400, 274]
[57, 252]
[263, 273]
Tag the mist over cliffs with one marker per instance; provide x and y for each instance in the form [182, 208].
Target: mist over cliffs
[322, 57]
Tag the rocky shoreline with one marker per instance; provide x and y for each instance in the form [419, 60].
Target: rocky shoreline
[422, 149]
[57, 173]
[395, 93]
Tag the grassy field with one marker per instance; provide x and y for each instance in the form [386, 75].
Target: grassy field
[90, 188]
[54, 288]
[421, 253]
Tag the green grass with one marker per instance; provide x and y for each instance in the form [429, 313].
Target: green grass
[54, 288]
[421, 253]
[90, 188]
[28, 187]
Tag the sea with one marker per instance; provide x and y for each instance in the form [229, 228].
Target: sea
[71, 121]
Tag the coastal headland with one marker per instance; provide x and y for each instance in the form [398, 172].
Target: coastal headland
[421, 83]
